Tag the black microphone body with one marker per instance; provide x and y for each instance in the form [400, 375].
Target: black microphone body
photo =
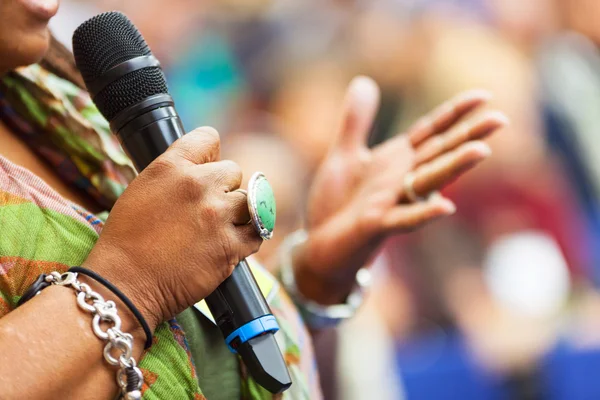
[146, 128]
[146, 131]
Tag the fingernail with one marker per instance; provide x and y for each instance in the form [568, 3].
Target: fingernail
[444, 203]
[477, 94]
[448, 206]
[498, 116]
[482, 148]
[363, 88]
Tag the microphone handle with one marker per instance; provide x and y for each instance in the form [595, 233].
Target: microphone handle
[237, 304]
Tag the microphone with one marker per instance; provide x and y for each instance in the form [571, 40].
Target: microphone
[129, 88]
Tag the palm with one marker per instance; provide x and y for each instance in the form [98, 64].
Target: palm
[336, 180]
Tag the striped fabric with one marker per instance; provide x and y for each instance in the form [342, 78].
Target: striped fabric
[40, 231]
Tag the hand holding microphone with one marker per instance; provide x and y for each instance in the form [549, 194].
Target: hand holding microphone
[205, 241]
[178, 230]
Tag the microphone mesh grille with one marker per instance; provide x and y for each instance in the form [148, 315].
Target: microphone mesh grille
[105, 41]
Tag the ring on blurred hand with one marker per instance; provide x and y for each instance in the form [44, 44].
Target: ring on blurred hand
[409, 190]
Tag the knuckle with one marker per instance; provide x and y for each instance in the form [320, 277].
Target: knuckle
[211, 213]
[229, 172]
[212, 138]
[190, 187]
[201, 144]
[232, 168]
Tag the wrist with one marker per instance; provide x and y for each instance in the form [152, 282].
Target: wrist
[115, 269]
[320, 308]
[325, 288]
[326, 264]
[120, 349]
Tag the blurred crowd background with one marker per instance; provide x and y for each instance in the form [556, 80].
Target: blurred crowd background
[499, 301]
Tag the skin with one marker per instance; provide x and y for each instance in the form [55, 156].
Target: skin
[580, 16]
[357, 198]
[47, 349]
[32, 31]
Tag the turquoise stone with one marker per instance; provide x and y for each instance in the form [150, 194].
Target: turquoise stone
[265, 203]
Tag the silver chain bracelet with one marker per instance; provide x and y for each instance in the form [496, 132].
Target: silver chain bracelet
[129, 376]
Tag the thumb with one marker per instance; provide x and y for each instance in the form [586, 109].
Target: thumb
[360, 108]
[200, 146]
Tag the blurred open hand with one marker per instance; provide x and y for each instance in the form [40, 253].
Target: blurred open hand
[358, 196]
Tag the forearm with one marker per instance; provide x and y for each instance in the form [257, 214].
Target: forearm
[48, 349]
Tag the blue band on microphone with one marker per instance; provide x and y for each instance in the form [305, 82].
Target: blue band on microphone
[264, 324]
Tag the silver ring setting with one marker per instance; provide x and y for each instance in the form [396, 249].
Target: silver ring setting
[409, 189]
[261, 204]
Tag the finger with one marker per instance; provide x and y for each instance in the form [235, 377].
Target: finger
[225, 173]
[470, 129]
[249, 239]
[360, 108]
[238, 203]
[438, 173]
[408, 217]
[445, 115]
[200, 146]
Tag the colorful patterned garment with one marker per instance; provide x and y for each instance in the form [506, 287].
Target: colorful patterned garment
[40, 231]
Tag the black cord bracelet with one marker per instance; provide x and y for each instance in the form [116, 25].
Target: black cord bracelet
[121, 296]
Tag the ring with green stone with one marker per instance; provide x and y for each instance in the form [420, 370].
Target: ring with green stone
[261, 203]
